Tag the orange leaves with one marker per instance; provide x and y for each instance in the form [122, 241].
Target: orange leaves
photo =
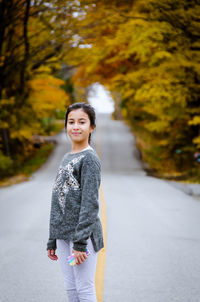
[46, 95]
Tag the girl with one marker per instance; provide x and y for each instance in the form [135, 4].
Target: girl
[74, 222]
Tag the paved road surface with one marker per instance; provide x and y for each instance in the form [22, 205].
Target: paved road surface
[153, 234]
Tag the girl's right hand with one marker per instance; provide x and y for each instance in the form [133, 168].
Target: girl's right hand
[80, 257]
[52, 255]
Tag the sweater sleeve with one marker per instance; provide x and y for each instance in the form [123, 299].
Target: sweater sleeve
[90, 183]
[51, 244]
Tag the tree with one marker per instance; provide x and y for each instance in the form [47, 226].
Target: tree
[27, 44]
[148, 51]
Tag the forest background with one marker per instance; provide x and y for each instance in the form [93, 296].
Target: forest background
[145, 52]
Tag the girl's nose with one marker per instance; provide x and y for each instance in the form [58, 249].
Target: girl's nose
[75, 126]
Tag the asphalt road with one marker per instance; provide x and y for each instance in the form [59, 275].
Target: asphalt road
[153, 234]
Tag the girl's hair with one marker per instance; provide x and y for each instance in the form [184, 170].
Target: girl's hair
[87, 108]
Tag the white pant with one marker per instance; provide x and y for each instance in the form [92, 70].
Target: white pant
[79, 279]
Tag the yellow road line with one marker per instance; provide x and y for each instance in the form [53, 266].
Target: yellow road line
[100, 270]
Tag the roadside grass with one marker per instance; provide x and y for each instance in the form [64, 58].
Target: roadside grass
[36, 159]
[32, 164]
[35, 162]
[189, 176]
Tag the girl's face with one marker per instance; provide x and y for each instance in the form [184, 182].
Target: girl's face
[78, 126]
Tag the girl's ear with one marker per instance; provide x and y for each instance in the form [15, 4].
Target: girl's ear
[92, 128]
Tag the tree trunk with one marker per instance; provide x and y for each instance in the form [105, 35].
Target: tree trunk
[26, 48]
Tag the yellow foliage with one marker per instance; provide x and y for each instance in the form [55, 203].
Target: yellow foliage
[149, 54]
[24, 133]
[196, 141]
[194, 121]
[5, 108]
[145, 51]
[46, 96]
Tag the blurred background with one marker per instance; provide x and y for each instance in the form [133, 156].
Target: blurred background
[140, 57]
[138, 63]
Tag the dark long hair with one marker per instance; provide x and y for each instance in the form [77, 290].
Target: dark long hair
[87, 108]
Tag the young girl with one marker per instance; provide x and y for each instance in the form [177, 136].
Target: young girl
[74, 222]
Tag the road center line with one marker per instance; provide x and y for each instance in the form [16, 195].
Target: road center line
[101, 260]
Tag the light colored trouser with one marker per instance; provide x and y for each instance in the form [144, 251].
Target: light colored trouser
[79, 279]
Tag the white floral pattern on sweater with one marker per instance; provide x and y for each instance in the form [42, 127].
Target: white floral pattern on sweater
[70, 181]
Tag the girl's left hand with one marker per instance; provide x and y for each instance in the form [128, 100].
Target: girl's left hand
[79, 256]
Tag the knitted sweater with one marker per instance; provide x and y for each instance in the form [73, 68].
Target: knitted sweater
[75, 201]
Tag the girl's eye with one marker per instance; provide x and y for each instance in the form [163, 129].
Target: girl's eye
[80, 122]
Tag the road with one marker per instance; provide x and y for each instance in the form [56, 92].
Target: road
[152, 230]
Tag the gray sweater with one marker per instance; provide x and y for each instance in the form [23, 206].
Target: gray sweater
[75, 201]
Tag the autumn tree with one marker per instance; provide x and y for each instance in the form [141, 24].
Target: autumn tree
[29, 55]
[147, 51]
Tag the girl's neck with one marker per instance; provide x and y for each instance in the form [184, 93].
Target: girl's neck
[78, 149]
